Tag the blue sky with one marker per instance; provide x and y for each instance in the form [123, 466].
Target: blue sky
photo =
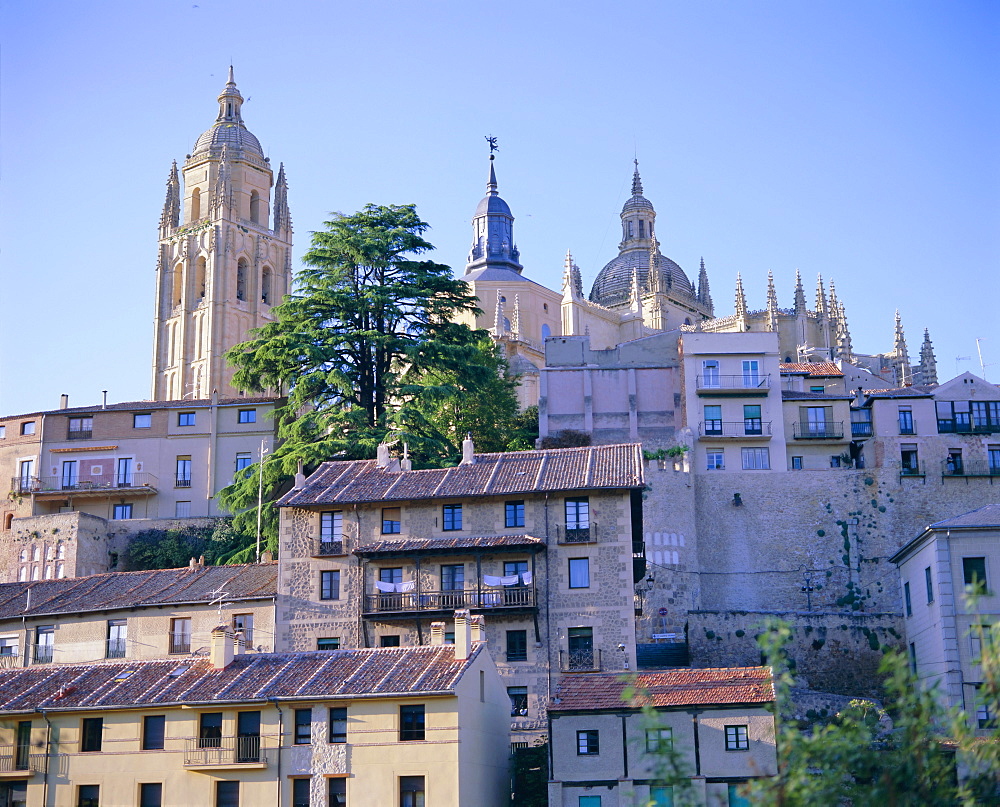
[857, 140]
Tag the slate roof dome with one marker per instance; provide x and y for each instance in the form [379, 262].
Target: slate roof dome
[614, 282]
[229, 129]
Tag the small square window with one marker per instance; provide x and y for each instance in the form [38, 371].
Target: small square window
[338, 724]
[329, 585]
[588, 742]
[142, 421]
[328, 643]
[796, 463]
[579, 572]
[737, 738]
[88, 796]
[452, 516]
[658, 740]
[247, 416]
[391, 520]
[715, 460]
[513, 514]
[182, 509]
[28, 427]
[185, 418]
[244, 460]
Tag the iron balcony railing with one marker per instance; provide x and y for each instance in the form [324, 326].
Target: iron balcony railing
[580, 660]
[115, 648]
[203, 752]
[827, 430]
[401, 602]
[326, 547]
[947, 426]
[908, 427]
[79, 434]
[747, 381]
[735, 428]
[182, 482]
[968, 468]
[910, 469]
[139, 482]
[861, 428]
[577, 535]
[42, 654]
[19, 759]
[180, 643]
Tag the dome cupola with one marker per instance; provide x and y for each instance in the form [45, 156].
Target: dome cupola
[229, 129]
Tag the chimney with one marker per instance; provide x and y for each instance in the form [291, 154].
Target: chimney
[406, 464]
[64, 401]
[222, 647]
[300, 477]
[468, 451]
[437, 634]
[382, 456]
[239, 643]
[193, 564]
[463, 645]
[478, 632]
[266, 556]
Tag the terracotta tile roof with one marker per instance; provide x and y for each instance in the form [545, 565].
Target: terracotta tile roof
[507, 473]
[410, 545]
[387, 672]
[105, 592]
[725, 686]
[823, 368]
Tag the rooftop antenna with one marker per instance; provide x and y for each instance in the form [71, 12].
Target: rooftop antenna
[961, 358]
[979, 349]
[260, 494]
[218, 597]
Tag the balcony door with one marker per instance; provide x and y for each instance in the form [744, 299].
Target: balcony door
[123, 472]
[248, 736]
[452, 585]
[581, 648]
[710, 373]
[751, 373]
[70, 474]
[816, 421]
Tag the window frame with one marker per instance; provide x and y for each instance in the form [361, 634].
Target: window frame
[577, 563]
[760, 456]
[148, 423]
[519, 653]
[302, 727]
[929, 584]
[330, 639]
[980, 584]
[518, 701]
[146, 797]
[392, 526]
[246, 416]
[150, 738]
[588, 742]
[412, 722]
[513, 515]
[576, 509]
[659, 739]
[715, 459]
[451, 517]
[329, 585]
[92, 797]
[91, 735]
[122, 511]
[331, 526]
[737, 737]
[187, 418]
[907, 600]
[336, 716]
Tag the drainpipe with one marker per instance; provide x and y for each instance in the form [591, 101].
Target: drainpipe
[281, 734]
[548, 623]
[48, 745]
[697, 744]
[213, 432]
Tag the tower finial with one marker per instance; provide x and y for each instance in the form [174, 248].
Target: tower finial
[800, 295]
[636, 181]
[741, 297]
[232, 79]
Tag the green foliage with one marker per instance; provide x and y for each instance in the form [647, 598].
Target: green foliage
[171, 549]
[663, 453]
[369, 351]
[567, 438]
[858, 759]
[530, 776]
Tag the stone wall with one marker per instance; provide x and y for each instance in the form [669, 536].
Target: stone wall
[833, 652]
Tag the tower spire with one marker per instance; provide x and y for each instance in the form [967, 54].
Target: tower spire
[845, 350]
[498, 323]
[928, 364]
[282, 216]
[704, 293]
[820, 296]
[493, 228]
[800, 296]
[772, 303]
[636, 180]
[901, 358]
[741, 297]
[171, 216]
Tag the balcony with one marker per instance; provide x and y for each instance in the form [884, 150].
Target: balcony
[861, 429]
[587, 660]
[48, 487]
[17, 762]
[960, 427]
[508, 598]
[969, 468]
[42, 654]
[827, 430]
[752, 384]
[742, 429]
[911, 469]
[577, 535]
[182, 481]
[219, 753]
[180, 643]
[327, 548]
[79, 434]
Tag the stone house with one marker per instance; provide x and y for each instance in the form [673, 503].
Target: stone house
[378, 726]
[605, 752]
[541, 542]
[135, 615]
[944, 631]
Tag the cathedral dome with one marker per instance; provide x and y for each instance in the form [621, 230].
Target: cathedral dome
[490, 204]
[229, 129]
[613, 285]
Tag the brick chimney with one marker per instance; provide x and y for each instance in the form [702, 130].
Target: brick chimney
[221, 654]
[437, 634]
[478, 631]
[463, 639]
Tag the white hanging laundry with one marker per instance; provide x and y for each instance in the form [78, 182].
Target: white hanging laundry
[385, 588]
[409, 585]
[526, 578]
[509, 580]
[492, 580]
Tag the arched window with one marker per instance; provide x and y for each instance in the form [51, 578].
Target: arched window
[7, 519]
[36, 553]
[241, 279]
[546, 332]
[630, 229]
[265, 285]
[255, 207]
[23, 575]
[199, 278]
[61, 552]
[24, 552]
[196, 204]
[642, 229]
[178, 280]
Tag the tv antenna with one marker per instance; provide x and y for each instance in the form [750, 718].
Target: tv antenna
[958, 359]
[979, 350]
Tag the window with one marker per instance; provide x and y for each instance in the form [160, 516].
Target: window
[756, 459]
[182, 509]
[26, 472]
[658, 740]
[993, 458]
[28, 427]
[241, 279]
[247, 416]
[517, 645]
[579, 572]
[518, 701]
[578, 518]
[715, 459]
[243, 623]
[122, 511]
[300, 792]
[389, 641]
[737, 738]
[589, 801]
[906, 599]
[3, 432]
[329, 585]
[906, 420]
[819, 389]
[451, 516]
[713, 419]
[338, 724]
[185, 418]
[45, 639]
[751, 373]
[796, 463]
[142, 421]
[835, 461]
[243, 461]
[117, 634]
[303, 726]
[661, 796]
[80, 428]
[331, 526]
[390, 574]
[580, 643]
[153, 732]
[411, 791]
[514, 511]
[411, 722]
[390, 520]
[183, 476]
[984, 718]
[953, 465]
[710, 373]
[818, 421]
[91, 734]
[227, 794]
[978, 636]
[210, 730]
[913, 658]
[735, 799]
[974, 573]
[929, 584]
[151, 794]
[88, 796]
[588, 742]
[909, 464]
[751, 419]
[180, 635]
[328, 643]
[453, 577]
[8, 646]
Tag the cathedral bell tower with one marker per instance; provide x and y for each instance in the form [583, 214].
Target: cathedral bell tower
[225, 256]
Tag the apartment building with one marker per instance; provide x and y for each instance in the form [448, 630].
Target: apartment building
[392, 726]
[136, 615]
[541, 542]
[605, 752]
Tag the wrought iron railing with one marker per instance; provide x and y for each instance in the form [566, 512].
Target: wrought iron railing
[18, 759]
[506, 597]
[968, 468]
[115, 649]
[223, 751]
[577, 535]
[182, 482]
[180, 643]
[79, 434]
[861, 428]
[735, 428]
[952, 427]
[827, 430]
[910, 469]
[141, 482]
[748, 381]
[42, 654]
[580, 660]
[325, 547]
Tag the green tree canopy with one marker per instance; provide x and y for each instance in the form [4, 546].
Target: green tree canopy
[369, 350]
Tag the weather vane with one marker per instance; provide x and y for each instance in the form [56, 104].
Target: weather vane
[493, 144]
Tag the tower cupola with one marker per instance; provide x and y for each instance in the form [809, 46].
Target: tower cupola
[229, 128]
[493, 231]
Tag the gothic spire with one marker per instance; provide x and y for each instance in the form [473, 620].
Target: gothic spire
[655, 277]
[515, 320]
[800, 296]
[220, 197]
[928, 364]
[171, 216]
[741, 297]
[820, 296]
[704, 293]
[845, 350]
[498, 322]
[772, 303]
[282, 216]
[901, 357]
[636, 181]
[635, 297]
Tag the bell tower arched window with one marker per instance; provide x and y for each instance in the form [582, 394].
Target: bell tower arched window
[255, 207]
[265, 285]
[199, 278]
[241, 279]
[178, 284]
[196, 204]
